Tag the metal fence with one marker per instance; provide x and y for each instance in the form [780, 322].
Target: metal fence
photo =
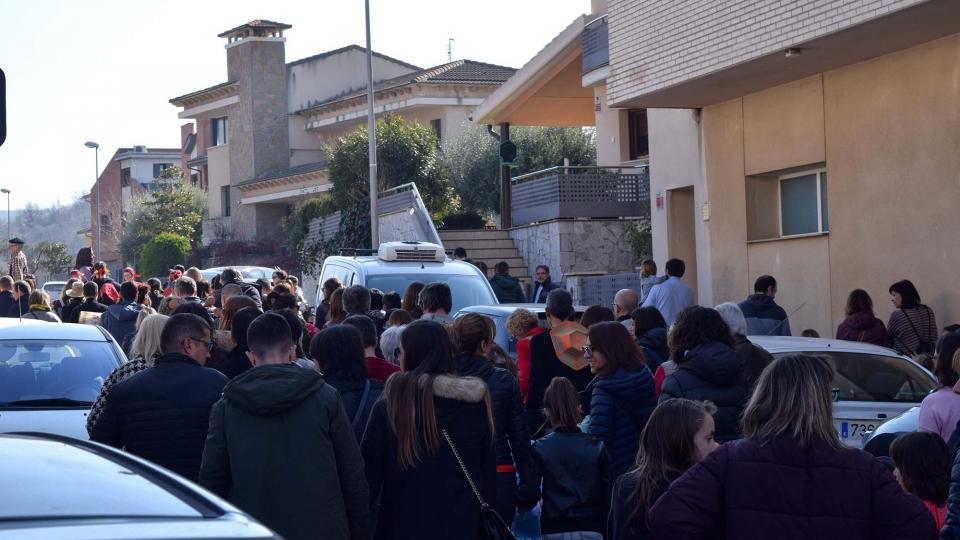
[580, 192]
[600, 290]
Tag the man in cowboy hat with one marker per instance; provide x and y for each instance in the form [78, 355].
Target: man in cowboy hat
[18, 260]
[75, 294]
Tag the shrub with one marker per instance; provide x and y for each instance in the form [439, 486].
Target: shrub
[163, 252]
[464, 221]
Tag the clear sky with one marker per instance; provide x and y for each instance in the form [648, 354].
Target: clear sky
[104, 70]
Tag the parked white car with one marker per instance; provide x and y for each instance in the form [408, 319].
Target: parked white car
[50, 374]
[873, 383]
[67, 488]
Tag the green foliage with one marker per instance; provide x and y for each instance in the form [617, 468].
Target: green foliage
[464, 221]
[52, 258]
[640, 236]
[175, 208]
[163, 252]
[405, 153]
[307, 211]
[474, 161]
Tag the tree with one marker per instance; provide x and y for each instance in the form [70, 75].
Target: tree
[51, 258]
[474, 162]
[162, 253]
[175, 208]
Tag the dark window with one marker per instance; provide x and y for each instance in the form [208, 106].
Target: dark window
[106, 222]
[435, 124]
[125, 177]
[159, 168]
[639, 139]
[219, 127]
[194, 178]
[225, 200]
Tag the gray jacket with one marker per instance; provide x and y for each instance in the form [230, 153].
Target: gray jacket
[47, 316]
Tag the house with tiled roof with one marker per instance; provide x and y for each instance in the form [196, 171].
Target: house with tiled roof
[257, 141]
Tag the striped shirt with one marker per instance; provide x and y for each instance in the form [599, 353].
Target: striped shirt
[909, 327]
[18, 266]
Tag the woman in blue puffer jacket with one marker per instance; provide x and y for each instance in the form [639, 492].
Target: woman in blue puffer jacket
[623, 394]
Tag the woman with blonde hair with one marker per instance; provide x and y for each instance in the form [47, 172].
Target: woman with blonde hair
[522, 325]
[427, 440]
[40, 307]
[761, 486]
[143, 351]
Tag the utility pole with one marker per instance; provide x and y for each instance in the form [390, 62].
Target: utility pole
[7, 192]
[372, 138]
[450, 49]
[96, 179]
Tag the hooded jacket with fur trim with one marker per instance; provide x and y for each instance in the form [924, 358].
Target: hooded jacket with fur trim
[433, 500]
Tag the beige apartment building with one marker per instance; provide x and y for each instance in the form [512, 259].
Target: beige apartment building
[815, 141]
[261, 136]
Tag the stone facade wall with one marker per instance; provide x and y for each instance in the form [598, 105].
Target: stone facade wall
[576, 246]
[656, 44]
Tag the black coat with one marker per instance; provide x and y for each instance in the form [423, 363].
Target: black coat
[951, 530]
[280, 447]
[509, 417]
[18, 308]
[544, 366]
[779, 489]
[88, 304]
[66, 312]
[162, 413]
[433, 499]
[6, 303]
[621, 506]
[576, 473]
[250, 291]
[234, 363]
[754, 360]
[619, 408]
[711, 372]
[654, 345]
[351, 393]
[508, 289]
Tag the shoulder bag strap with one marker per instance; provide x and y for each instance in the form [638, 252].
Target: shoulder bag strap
[464, 469]
[363, 403]
[912, 327]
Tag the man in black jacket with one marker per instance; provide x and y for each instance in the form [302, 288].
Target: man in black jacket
[162, 413]
[230, 275]
[281, 447]
[21, 296]
[90, 293]
[506, 287]
[6, 295]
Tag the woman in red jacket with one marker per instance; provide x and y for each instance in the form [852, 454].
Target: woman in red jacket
[522, 325]
[790, 477]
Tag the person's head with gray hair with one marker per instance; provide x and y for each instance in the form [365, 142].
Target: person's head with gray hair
[731, 314]
[229, 290]
[185, 286]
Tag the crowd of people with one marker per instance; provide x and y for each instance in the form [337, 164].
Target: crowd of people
[379, 415]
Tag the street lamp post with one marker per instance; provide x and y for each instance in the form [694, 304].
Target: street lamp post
[7, 191]
[96, 179]
[372, 139]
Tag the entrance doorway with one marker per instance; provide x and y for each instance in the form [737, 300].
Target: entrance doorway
[681, 234]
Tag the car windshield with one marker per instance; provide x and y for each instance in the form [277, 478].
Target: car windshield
[53, 372]
[466, 290]
[873, 377]
[70, 482]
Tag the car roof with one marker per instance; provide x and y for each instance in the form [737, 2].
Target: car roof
[375, 266]
[783, 344]
[11, 328]
[501, 310]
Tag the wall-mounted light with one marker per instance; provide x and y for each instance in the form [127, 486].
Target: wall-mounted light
[793, 51]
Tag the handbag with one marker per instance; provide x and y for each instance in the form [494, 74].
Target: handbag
[491, 524]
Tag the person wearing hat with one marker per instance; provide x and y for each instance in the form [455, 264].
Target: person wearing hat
[18, 260]
[129, 274]
[90, 294]
[75, 298]
[557, 353]
[172, 276]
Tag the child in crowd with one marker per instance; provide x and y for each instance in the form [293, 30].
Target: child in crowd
[923, 464]
[574, 467]
[678, 435]
[810, 332]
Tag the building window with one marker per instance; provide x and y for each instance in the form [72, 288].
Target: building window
[125, 177]
[639, 138]
[194, 179]
[159, 168]
[105, 223]
[219, 129]
[435, 124]
[803, 203]
[225, 200]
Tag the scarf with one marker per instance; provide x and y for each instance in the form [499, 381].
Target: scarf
[39, 307]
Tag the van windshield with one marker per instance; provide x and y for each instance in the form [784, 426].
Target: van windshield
[466, 290]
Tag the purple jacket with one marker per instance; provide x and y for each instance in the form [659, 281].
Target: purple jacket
[864, 327]
[777, 489]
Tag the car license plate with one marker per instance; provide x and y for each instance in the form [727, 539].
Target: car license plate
[856, 430]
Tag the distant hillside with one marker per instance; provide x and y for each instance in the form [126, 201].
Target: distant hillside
[58, 223]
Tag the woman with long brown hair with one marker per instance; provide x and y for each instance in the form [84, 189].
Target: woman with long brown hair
[790, 476]
[678, 435]
[335, 313]
[411, 299]
[623, 394]
[473, 335]
[411, 464]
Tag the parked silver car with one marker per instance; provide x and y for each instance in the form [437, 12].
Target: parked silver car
[873, 383]
[50, 374]
[249, 274]
[500, 312]
[60, 487]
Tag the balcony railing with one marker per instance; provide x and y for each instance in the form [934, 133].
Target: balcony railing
[580, 192]
[596, 46]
